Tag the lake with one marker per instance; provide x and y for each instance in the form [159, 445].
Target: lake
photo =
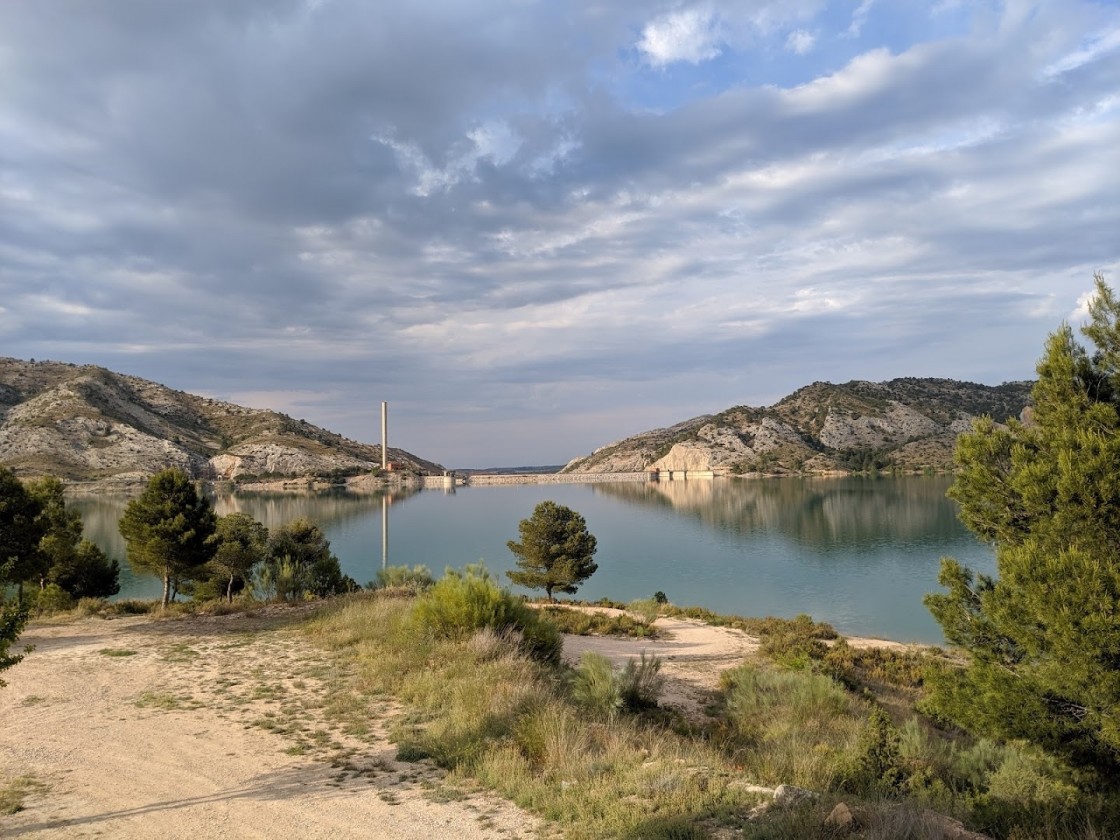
[857, 552]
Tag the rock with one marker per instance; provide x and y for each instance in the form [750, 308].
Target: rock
[841, 819]
[790, 794]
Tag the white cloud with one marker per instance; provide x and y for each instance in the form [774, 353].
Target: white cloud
[800, 41]
[859, 18]
[1098, 46]
[1080, 314]
[691, 35]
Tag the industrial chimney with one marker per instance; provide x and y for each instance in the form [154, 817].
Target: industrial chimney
[384, 436]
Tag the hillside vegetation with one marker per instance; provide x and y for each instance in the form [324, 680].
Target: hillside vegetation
[906, 424]
[85, 423]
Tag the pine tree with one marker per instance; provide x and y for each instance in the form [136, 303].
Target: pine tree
[168, 529]
[241, 542]
[1044, 635]
[21, 529]
[77, 565]
[555, 550]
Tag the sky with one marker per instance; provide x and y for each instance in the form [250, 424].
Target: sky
[535, 227]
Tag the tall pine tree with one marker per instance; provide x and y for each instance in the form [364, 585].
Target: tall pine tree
[1044, 635]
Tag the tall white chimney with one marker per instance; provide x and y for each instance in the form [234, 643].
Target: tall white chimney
[384, 435]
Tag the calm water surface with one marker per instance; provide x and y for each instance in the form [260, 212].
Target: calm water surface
[856, 552]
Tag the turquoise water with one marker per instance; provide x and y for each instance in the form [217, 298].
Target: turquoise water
[857, 552]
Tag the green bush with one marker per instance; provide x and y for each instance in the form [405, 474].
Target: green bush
[583, 623]
[415, 578]
[640, 683]
[647, 610]
[50, 599]
[464, 602]
[595, 687]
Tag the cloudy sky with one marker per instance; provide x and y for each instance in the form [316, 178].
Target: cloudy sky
[539, 226]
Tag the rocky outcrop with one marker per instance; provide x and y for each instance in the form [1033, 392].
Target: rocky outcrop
[88, 423]
[909, 424]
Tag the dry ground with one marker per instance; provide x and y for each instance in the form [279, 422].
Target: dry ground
[235, 726]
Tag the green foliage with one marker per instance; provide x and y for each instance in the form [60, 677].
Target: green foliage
[13, 618]
[241, 542]
[555, 550]
[48, 600]
[599, 687]
[414, 579]
[168, 529]
[74, 564]
[87, 572]
[594, 623]
[647, 610]
[1043, 636]
[300, 564]
[792, 727]
[21, 529]
[595, 686]
[462, 603]
[660, 597]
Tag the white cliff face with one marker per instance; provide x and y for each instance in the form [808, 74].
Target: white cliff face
[277, 459]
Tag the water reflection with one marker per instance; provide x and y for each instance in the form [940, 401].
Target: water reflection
[858, 552]
[819, 513]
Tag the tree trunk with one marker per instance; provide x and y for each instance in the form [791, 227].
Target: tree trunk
[166, 590]
[229, 590]
[548, 592]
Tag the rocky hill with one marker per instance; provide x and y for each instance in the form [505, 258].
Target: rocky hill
[907, 424]
[86, 423]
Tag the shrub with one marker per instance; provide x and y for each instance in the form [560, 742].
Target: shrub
[647, 610]
[52, 598]
[464, 602]
[595, 686]
[599, 687]
[582, 623]
[415, 578]
[640, 683]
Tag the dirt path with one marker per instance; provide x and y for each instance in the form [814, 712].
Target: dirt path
[207, 727]
[693, 655]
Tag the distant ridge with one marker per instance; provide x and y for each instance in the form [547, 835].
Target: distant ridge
[86, 423]
[907, 424]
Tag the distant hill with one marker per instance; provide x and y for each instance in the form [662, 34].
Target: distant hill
[84, 423]
[908, 424]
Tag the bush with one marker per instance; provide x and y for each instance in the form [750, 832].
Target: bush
[49, 600]
[595, 686]
[462, 603]
[415, 578]
[647, 610]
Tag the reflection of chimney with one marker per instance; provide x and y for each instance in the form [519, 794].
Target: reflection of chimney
[384, 435]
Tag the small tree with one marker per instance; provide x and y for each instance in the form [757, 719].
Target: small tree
[13, 617]
[241, 542]
[77, 565]
[168, 529]
[21, 529]
[1044, 637]
[300, 563]
[555, 550]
